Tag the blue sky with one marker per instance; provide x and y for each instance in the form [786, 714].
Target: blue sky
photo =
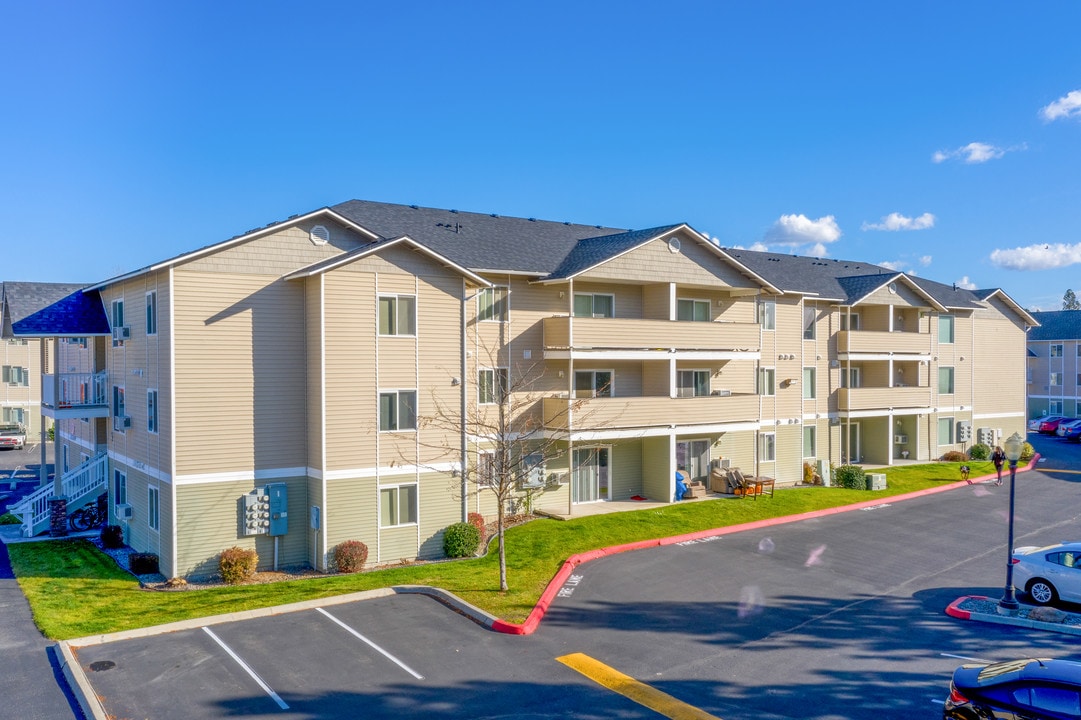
[942, 138]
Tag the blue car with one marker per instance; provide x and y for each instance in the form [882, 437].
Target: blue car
[1069, 430]
[1031, 688]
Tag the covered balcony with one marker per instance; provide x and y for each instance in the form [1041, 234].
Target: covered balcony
[647, 337]
[883, 342]
[882, 398]
[75, 395]
[618, 413]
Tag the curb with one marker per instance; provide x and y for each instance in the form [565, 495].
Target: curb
[954, 610]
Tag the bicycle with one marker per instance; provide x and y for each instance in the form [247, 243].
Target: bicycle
[88, 517]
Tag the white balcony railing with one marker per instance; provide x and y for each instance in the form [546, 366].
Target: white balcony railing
[76, 390]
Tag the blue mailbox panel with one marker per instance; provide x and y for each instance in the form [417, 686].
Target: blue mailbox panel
[279, 508]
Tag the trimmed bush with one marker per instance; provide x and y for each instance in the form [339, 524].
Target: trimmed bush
[143, 563]
[477, 520]
[955, 456]
[237, 564]
[112, 537]
[1027, 451]
[850, 476]
[979, 451]
[350, 556]
[461, 540]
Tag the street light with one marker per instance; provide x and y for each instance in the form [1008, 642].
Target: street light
[1012, 446]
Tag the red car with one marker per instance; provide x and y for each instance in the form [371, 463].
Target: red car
[1050, 424]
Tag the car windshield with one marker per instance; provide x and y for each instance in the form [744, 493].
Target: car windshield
[10, 428]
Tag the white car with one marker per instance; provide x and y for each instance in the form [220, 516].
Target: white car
[1049, 573]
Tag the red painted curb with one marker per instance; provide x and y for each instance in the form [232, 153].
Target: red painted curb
[556, 583]
[954, 611]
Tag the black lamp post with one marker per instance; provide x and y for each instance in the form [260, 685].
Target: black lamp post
[1012, 447]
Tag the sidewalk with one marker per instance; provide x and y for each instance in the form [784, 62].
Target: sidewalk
[985, 609]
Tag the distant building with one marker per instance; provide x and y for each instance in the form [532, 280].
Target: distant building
[1054, 364]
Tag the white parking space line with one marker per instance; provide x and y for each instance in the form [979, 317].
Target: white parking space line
[248, 669]
[963, 657]
[375, 647]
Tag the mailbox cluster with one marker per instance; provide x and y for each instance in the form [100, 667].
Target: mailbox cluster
[266, 510]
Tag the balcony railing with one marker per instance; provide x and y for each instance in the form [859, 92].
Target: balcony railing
[642, 412]
[77, 390]
[875, 341]
[883, 398]
[628, 334]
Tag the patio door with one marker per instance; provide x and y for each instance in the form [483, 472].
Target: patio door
[694, 456]
[850, 442]
[590, 479]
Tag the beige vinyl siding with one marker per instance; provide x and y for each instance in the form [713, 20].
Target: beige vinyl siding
[788, 337]
[137, 532]
[279, 253]
[739, 448]
[693, 264]
[656, 302]
[628, 299]
[438, 510]
[627, 469]
[883, 298]
[241, 397]
[999, 352]
[657, 484]
[399, 543]
[556, 499]
[352, 513]
[26, 398]
[316, 549]
[789, 466]
[313, 331]
[351, 380]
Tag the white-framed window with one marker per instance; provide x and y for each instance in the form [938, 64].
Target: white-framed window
[945, 431]
[852, 378]
[1054, 407]
[946, 329]
[119, 409]
[1056, 349]
[689, 309]
[487, 469]
[767, 447]
[492, 384]
[120, 487]
[692, 383]
[15, 375]
[397, 315]
[16, 341]
[850, 319]
[945, 380]
[397, 410]
[152, 411]
[64, 467]
[116, 315]
[810, 314]
[398, 505]
[810, 391]
[152, 313]
[153, 519]
[1078, 349]
[767, 314]
[810, 441]
[593, 383]
[492, 304]
[767, 381]
[594, 305]
[1056, 379]
[693, 457]
[14, 415]
[533, 469]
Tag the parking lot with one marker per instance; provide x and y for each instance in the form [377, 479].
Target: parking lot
[20, 472]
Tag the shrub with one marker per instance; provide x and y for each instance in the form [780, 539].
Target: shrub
[9, 519]
[350, 556]
[237, 564]
[461, 540]
[112, 537]
[979, 451]
[1027, 451]
[955, 456]
[850, 476]
[477, 520]
[143, 563]
[808, 473]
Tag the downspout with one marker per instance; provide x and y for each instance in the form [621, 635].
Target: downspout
[462, 463]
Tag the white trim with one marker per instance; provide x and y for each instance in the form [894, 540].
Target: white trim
[988, 416]
[173, 532]
[652, 355]
[323, 514]
[240, 476]
[665, 431]
[379, 472]
[77, 440]
[139, 466]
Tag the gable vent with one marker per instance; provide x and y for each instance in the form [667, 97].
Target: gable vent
[319, 235]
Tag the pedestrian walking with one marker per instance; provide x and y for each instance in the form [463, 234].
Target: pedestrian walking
[998, 457]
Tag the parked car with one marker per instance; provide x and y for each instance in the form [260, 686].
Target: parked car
[1049, 573]
[1034, 423]
[12, 436]
[1069, 429]
[1033, 688]
[1050, 424]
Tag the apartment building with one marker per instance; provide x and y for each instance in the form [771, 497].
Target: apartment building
[1054, 364]
[280, 389]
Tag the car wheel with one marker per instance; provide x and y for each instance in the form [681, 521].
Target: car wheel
[1041, 592]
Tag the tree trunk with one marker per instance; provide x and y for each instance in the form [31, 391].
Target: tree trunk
[502, 550]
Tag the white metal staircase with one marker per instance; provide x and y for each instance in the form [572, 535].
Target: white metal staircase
[81, 485]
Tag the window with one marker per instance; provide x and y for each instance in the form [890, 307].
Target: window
[852, 319]
[1054, 407]
[492, 304]
[693, 457]
[767, 447]
[533, 469]
[945, 329]
[809, 389]
[152, 519]
[809, 315]
[152, 313]
[65, 467]
[398, 410]
[117, 318]
[766, 381]
[1078, 349]
[810, 438]
[14, 375]
[767, 314]
[692, 383]
[492, 386]
[22, 341]
[1056, 379]
[120, 487]
[14, 415]
[488, 469]
[1056, 350]
[592, 383]
[588, 305]
[945, 380]
[945, 431]
[152, 411]
[397, 315]
[398, 505]
[851, 378]
[694, 310]
[118, 401]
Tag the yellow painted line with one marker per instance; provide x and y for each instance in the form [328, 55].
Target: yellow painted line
[1074, 472]
[630, 688]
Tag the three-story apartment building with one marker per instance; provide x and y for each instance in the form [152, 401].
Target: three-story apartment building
[285, 380]
[1054, 364]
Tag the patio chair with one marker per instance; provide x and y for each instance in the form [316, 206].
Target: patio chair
[750, 485]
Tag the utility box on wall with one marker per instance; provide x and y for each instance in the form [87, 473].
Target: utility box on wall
[279, 508]
[256, 513]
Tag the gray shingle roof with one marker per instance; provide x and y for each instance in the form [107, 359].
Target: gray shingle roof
[1057, 325]
[47, 309]
[592, 251]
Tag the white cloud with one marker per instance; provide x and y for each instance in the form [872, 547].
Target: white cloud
[965, 283]
[896, 265]
[818, 250]
[925, 260]
[800, 229]
[972, 154]
[1065, 107]
[757, 247]
[1038, 257]
[896, 221]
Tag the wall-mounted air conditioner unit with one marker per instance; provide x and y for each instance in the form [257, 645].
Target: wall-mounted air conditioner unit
[123, 511]
[121, 422]
[122, 333]
[900, 439]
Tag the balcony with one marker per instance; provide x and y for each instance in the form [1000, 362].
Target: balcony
[646, 338]
[883, 398]
[875, 341]
[81, 395]
[619, 413]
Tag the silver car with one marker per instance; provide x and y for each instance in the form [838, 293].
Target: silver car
[1049, 573]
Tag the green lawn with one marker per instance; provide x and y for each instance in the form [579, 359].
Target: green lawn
[74, 590]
